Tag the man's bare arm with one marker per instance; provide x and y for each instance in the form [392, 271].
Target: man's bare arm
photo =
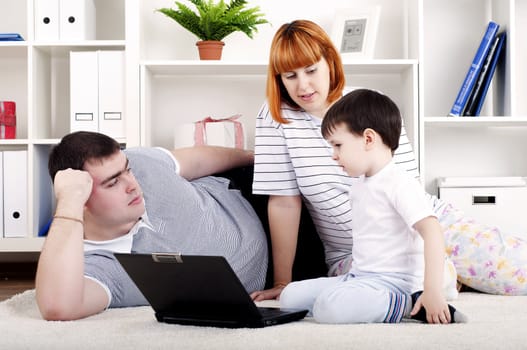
[62, 291]
[201, 161]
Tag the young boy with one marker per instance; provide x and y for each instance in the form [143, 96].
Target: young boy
[398, 247]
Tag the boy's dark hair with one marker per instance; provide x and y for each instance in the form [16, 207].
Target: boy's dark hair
[361, 109]
[76, 148]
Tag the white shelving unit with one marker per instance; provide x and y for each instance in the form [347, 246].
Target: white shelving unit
[177, 88]
[35, 75]
[183, 91]
[488, 145]
[422, 52]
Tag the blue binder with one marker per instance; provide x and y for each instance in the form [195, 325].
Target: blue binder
[11, 37]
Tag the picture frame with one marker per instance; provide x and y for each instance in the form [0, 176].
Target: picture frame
[354, 31]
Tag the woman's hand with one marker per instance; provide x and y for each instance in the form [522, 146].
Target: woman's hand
[273, 293]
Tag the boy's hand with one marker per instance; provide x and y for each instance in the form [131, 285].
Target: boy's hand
[435, 305]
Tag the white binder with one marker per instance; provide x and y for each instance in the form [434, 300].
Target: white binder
[84, 95]
[1, 194]
[46, 20]
[15, 193]
[77, 20]
[111, 93]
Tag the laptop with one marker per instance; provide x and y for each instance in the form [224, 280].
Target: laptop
[199, 290]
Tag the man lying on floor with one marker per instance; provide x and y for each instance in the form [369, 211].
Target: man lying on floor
[139, 200]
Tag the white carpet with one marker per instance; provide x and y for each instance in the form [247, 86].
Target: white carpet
[495, 322]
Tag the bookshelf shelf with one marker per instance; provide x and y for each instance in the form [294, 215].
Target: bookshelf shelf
[35, 75]
[189, 67]
[475, 122]
[5, 142]
[193, 67]
[13, 44]
[486, 145]
[28, 244]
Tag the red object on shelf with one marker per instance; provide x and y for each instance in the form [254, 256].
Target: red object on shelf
[7, 120]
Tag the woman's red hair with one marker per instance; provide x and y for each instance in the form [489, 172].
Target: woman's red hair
[300, 43]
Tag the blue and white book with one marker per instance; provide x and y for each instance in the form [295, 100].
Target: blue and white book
[490, 74]
[474, 70]
[486, 73]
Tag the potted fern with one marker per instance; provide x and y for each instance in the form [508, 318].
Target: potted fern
[213, 21]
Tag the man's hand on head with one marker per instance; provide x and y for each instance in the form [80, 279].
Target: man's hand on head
[73, 185]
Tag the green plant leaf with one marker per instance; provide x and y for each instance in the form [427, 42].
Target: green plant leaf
[215, 20]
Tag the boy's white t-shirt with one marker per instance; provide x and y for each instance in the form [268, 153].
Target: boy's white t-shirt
[385, 208]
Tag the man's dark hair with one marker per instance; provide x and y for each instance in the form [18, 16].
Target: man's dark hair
[76, 148]
[362, 109]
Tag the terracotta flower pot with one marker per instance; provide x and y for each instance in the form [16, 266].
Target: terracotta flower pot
[210, 50]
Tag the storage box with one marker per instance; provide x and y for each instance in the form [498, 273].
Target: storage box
[66, 20]
[495, 201]
[225, 132]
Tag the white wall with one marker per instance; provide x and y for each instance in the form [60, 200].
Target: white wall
[163, 38]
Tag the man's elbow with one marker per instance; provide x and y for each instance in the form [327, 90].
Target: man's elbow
[53, 309]
[57, 315]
